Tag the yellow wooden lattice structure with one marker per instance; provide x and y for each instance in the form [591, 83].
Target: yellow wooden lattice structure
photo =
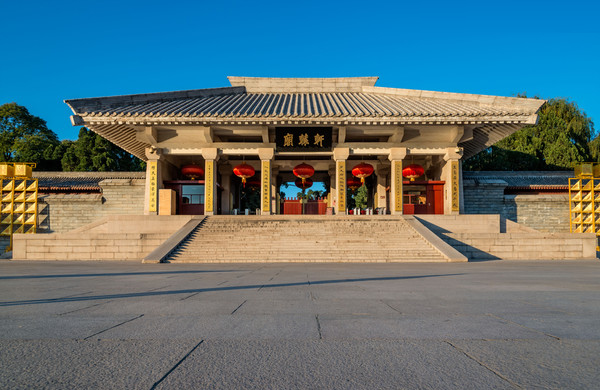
[18, 200]
[584, 199]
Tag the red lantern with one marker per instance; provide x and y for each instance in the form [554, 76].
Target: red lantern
[353, 183]
[413, 171]
[192, 171]
[254, 184]
[362, 170]
[303, 171]
[304, 185]
[244, 171]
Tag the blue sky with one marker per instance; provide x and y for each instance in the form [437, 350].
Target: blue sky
[60, 50]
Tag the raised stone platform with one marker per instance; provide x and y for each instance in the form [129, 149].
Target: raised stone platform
[280, 238]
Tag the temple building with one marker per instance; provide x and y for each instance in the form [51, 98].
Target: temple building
[204, 145]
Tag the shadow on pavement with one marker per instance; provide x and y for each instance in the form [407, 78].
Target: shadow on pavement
[212, 289]
[110, 274]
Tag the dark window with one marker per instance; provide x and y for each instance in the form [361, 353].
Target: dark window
[192, 194]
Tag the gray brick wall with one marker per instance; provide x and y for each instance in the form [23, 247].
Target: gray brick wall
[66, 212]
[543, 212]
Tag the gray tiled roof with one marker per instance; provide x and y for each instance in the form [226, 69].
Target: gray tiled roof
[523, 179]
[295, 105]
[79, 181]
[303, 102]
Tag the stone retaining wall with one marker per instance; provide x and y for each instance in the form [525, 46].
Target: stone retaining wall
[66, 212]
[542, 212]
[524, 246]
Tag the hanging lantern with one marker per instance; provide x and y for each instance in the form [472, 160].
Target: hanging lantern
[254, 184]
[307, 183]
[244, 171]
[413, 171]
[303, 171]
[192, 171]
[353, 183]
[362, 170]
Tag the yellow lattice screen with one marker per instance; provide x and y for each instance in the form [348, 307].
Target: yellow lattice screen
[18, 200]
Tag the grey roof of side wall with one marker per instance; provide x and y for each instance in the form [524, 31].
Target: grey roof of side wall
[522, 178]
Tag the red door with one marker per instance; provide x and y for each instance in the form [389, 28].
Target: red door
[424, 197]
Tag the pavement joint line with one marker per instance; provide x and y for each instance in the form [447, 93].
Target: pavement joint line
[222, 282]
[391, 307]
[484, 365]
[83, 308]
[319, 327]
[158, 288]
[175, 366]
[241, 304]
[523, 326]
[75, 295]
[546, 307]
[112, 327]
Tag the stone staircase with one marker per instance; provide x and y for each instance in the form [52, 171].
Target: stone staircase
[306, 239]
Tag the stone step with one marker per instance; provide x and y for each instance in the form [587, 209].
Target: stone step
[221, 239]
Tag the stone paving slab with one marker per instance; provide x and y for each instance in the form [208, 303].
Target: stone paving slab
[342, 326]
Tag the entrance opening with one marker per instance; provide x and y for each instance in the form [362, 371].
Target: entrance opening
[310, 199]
[360, 198]
[423, 197]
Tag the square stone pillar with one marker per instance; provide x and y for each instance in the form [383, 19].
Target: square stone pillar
[210, 180]
[382, 172]
[225, 170]
[274, 186]
[452, 175]
[265, 155]
[340, 155]
[332, 186]
[396, 195]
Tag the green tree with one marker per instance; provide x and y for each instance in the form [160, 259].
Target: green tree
[26, 138]
[561, 138]
[361, 197]
[91, 152]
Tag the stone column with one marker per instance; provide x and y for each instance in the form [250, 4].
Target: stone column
[274, 187]
[382, 171]
[396, 196]
[453, 186]
[154, 172]
[225, 170]
[210, 156]
[265, 155]
[340, 155]
[332, 186]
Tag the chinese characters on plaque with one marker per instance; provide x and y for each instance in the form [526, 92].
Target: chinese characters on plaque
[455, 186]
[341, 174]
[266, 186]
[398, 199]
[209, 179]
[302, 139]
[153, 171]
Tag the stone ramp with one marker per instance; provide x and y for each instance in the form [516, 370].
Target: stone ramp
[221, 239]
[488, 237]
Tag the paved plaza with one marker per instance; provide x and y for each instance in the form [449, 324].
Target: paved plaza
[486, 325]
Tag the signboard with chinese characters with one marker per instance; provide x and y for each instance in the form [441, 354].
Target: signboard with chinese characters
[341, 185]
[266, 186]
[153, 171]
[303, 139]
[398, 194]
[209, 183]
[455, 186]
